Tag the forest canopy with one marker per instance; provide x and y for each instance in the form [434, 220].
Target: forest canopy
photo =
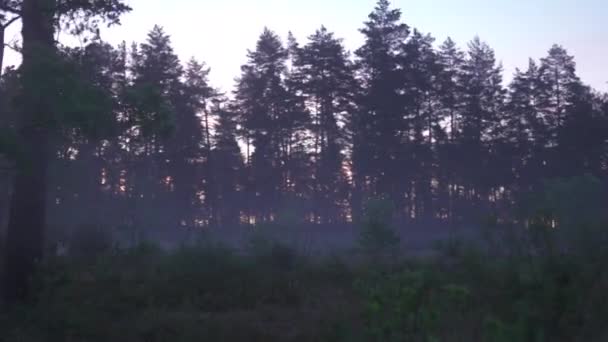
[309, 131]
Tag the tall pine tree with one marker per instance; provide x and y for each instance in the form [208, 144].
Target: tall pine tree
[327, 83]
[379, 126]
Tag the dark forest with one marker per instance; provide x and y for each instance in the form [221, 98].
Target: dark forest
[132, 137]
[311, 130]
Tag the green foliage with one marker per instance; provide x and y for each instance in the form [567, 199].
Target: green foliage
[377, 237]
[152, 112]
[397, 307]
[568, 214]
[505, 291]
[144, 294]
[569, 202]
[207, 291]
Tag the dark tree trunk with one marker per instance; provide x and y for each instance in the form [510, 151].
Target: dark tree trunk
[2, 32]
[25, 234]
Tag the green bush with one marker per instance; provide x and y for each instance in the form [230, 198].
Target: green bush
[377, 237]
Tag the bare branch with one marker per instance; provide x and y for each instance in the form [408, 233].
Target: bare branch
[8, 9]
[13, 47]
[10, 22]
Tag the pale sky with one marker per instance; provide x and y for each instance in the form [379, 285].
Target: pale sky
[219, 32]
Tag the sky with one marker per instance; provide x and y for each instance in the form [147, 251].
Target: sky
[219, 32]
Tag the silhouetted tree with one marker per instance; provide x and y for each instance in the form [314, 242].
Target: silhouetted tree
[521, 140]
[327, 82]
[482, 106]
[582, 136]
[189, 147]
[42, 102]
[81, 161]
[120, 135]
[421, 68]
[379, 126]
[559, 82]
[154, 96]
[451, 97]
[228, 166]
[273, 120]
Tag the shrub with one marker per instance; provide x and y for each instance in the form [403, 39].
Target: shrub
[377, 237]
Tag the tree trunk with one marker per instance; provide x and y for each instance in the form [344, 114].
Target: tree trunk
[25, 234]
[2, 32]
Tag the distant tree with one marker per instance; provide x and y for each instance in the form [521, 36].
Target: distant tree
[152, 97]
[582, 137]
[482, 106]
[451, 96]
[379, 126]
[271, 119]
[327, 82]
[451, 59]
[421, 68]
[189, 147]
[522, 138]
[228, 166]
[82, 159]
[296, 186]
[559, 82]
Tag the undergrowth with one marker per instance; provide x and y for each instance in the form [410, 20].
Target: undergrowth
[531, 283]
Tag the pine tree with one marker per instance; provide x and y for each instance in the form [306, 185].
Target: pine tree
[379, 127]
[559, 86]
[153, 98]
[76, 176]
[482, 105]
[189, 147]
[420, 66]
[272, 119]
[297, 182]
[582, 136]
[327, 83]
[559, 82]
[40, 100]
[228, 166]
[451, 59]
[451, 97]
[523, 131]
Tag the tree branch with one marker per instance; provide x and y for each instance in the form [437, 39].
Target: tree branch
[13, 47]
[9, 9]
[10, 22]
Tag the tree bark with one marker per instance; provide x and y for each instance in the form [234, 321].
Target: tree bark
[25, 234]
[2, 41]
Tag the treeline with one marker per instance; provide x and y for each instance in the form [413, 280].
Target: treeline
[311, 132]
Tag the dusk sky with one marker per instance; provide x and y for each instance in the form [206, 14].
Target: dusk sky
[219, 32]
